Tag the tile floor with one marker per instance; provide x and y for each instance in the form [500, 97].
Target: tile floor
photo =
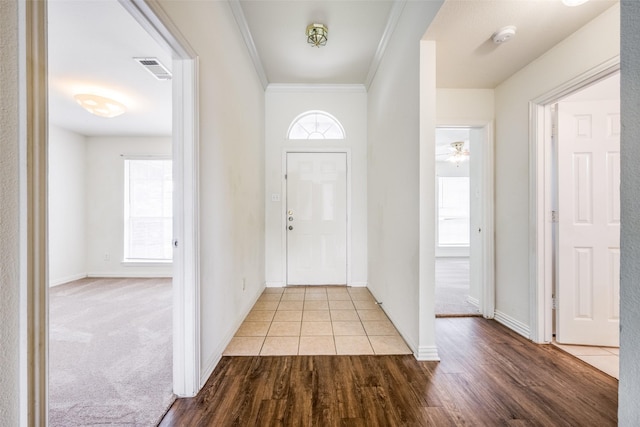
[316, 320]
[606, 359]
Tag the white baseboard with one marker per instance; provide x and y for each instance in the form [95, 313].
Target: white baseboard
[130, 274]
[274, 284]
[208, 369]
[424, 353]
[427, 353]
[359, 284]
[513, 324]
[67, 279]
[217, 354]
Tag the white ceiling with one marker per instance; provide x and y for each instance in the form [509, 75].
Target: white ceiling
[355, 29]
[92, 43]
[91, 49]
[467, 57]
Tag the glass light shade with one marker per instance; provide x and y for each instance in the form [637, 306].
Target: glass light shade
[317, 35]
[99, 105]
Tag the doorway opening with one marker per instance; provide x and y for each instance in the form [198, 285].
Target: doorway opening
[180, 283]
[110, 220]
[464, 259]
[576, 209]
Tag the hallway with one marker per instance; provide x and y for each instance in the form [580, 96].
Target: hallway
[488, 376]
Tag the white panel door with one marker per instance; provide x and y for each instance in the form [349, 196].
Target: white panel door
[588, 268]
[316, 219]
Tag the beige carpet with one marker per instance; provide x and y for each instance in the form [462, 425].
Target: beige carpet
[452, 288]
[110, 352]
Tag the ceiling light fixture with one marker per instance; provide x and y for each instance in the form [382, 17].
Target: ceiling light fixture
[317, 35]
[99, 105]
[504, 34]
[459, 154]
[572, 3]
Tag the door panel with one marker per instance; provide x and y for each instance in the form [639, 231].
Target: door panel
[316, 219]
[589, 223]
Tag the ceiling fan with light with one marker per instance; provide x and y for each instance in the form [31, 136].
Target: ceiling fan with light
[457, 153]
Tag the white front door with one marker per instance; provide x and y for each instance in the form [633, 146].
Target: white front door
[589, 223]
[316, 218]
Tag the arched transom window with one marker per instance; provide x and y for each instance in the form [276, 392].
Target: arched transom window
[315, 125]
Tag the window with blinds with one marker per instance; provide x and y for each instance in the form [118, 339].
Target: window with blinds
[148, 212]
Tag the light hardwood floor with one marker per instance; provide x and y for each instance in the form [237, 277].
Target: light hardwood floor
[488, 376]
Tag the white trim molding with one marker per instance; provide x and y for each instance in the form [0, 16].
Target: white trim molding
[540, 197]
[513, 324]
[133, 274]
[486, 303]
[213, 361]
[186, 259]
[427, 354]
[32, 92]
[243, 26]
[67, 279]
[315, 88]
[359, 284]
[274, 284]
[392, 24]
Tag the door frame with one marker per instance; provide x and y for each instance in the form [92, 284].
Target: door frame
[487, 301]
[185, 142]
[541, 243]
[283, 213]
[33, 92]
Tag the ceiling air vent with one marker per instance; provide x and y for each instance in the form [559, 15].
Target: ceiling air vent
[154, 66]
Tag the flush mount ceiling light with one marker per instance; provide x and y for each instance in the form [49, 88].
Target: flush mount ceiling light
[572, 3]
[504, 34]
[317, 35]
[99, 105]
[459, 154]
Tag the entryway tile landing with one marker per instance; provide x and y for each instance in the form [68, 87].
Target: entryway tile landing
[316, 320]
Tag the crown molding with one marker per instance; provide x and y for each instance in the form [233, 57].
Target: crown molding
[315, 88]
[238, 14]
[392, 24]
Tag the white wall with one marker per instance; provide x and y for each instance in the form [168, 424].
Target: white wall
[67, 206]
[464, 106]
[348, 104]
[393, 124]
[595, 43]
[105, 204]
[629, 387]
[231, 154]
[12, 272]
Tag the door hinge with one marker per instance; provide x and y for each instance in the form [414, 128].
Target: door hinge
[554, 216]
[554, 303]
[285, 176]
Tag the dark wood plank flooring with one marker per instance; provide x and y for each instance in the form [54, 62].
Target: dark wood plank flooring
[488, 376]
